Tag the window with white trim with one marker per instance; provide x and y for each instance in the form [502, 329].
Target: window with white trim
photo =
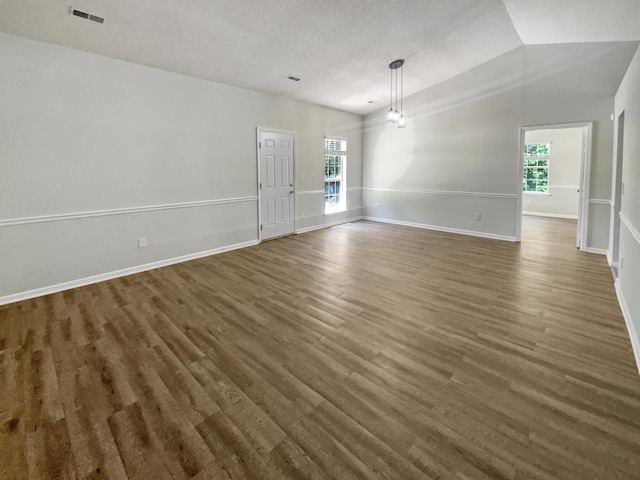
[536, 168]
[335, 166]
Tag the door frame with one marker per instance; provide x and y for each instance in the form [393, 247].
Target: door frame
[259, 130]
[585, 179]
[613, 253]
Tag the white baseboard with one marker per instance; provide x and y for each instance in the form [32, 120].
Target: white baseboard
[442, 229]
[552, 215]
[599, 251]
[633, 335]
[327, 225]
[81, 282]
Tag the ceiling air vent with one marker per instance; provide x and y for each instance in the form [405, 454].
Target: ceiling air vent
[295, 79]
[88, 16]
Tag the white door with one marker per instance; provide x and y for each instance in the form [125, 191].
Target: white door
[276, 184]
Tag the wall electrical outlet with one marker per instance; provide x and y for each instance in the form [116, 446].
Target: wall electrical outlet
[529, 202]
[142, 242]
[478, 216]
[302, 177]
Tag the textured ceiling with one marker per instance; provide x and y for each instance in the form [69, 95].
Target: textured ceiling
[575, 21]
[340, 49]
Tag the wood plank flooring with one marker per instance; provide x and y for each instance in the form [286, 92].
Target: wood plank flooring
[362, 351]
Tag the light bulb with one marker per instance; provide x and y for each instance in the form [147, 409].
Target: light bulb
[392, 116]
[402, 122]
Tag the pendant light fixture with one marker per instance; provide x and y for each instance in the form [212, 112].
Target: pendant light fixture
[395, 116]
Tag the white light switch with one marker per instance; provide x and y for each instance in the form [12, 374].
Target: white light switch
[142, 242]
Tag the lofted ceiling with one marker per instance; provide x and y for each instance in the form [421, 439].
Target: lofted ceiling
[340, 49]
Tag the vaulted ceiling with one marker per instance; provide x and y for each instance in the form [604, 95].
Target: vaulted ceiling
[340, 49]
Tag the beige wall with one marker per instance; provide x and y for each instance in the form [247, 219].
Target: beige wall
[627, 100]
[97, 153]
[459, 155]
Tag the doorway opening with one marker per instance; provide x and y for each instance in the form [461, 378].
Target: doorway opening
[554, 173]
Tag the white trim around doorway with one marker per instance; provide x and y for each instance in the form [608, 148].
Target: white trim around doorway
[585, 177]
[259, 130]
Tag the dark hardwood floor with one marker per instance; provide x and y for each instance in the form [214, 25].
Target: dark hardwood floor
[361, 351]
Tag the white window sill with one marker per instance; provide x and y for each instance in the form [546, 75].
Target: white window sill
[336, 210]
[544, 194]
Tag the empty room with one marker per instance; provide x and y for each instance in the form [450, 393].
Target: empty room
[320, 240]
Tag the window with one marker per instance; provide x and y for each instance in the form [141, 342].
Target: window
[536, 168]
[335, 163]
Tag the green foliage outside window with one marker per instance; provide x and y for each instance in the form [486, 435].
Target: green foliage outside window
[335, 155]
[536, 150]
[536, 168]
[332, 166]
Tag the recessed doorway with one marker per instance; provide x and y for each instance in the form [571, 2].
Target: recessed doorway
[554, 175]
